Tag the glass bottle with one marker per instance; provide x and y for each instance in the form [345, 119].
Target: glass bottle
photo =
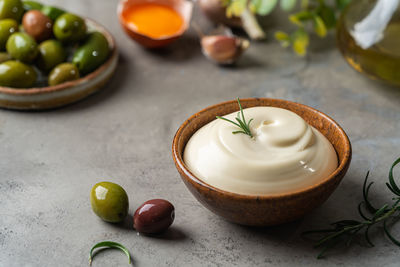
[368, 36]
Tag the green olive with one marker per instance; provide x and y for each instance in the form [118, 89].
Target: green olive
[92, 53]
[63, 73]
[4, 57]
[51, 53]
[32, 5]
[69, 28]
[22, 46]
[7, 27]
[52, 12]
[109, 201]
[17, 74]
[11, 9]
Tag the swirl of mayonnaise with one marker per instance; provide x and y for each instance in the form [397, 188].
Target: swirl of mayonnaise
[285, 154]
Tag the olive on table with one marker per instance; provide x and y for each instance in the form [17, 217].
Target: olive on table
[11, 9]
[154, 216]
[52, 12]
[51, 53]
[37, 25]
[22, 46]
[63, 73]
[7, 27]
[4, 56]
[17, 74]
[32, 5]
[92, 53]
[69, 28]
[109, 201]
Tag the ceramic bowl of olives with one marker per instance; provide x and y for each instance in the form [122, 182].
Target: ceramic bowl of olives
[50, 57]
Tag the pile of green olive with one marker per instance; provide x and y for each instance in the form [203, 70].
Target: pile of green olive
[45, 41]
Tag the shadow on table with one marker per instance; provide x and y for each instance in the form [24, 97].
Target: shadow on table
[172, 233]
[343, 205]
[183, 49]
[111, 88]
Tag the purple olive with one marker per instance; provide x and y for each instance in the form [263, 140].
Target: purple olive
[154, 216]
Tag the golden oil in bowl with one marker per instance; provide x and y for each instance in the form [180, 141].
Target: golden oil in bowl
[380, 61]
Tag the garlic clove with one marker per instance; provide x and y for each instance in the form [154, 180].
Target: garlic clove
[223, 49]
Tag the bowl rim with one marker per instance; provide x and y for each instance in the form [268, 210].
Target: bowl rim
[193, 179]
[68, 85]
[122, 6]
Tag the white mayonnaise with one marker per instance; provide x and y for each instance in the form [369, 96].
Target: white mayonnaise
[285, 154]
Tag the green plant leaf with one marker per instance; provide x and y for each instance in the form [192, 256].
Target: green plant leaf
[366, 188]
[319, 26]
[300, 17]
[288, 5]
[109, 244]
[394, 240]
[340, 4]
[235, 8]
[327, 14]
[300, 42]
[283, 38]
[391, 179]
[263, 7]
[361, 212]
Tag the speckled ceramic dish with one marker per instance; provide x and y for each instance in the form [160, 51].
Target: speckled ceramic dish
[263, 210]
[66, 93]
[183, 7]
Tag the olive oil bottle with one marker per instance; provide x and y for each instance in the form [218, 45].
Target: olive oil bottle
[381, 59]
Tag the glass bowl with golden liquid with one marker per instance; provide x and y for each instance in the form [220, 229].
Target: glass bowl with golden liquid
[368, 35]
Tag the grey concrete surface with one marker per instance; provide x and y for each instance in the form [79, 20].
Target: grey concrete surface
[50, 160]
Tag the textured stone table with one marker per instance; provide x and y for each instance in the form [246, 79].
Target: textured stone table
[50, 160]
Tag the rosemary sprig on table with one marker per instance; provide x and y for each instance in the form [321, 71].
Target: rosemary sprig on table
[344, 231]
[241, 122]
[109, 244]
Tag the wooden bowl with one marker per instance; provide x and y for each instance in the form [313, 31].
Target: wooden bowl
[182, 7]
[65, 93]
[263, 210]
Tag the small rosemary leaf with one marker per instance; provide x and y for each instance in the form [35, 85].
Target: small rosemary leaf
[109, 244]
[248, 124]
[242, 125]
[366, 234]
[391, 189]
[360, 211]
[380, 211]
[222, 118]
[368, 205]
[288, 5]
[241, 110]
[396, 203]
[391, 179]
[346, 222]
[353, 234]
[327, 238]
[394, 240]
[237, 132]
